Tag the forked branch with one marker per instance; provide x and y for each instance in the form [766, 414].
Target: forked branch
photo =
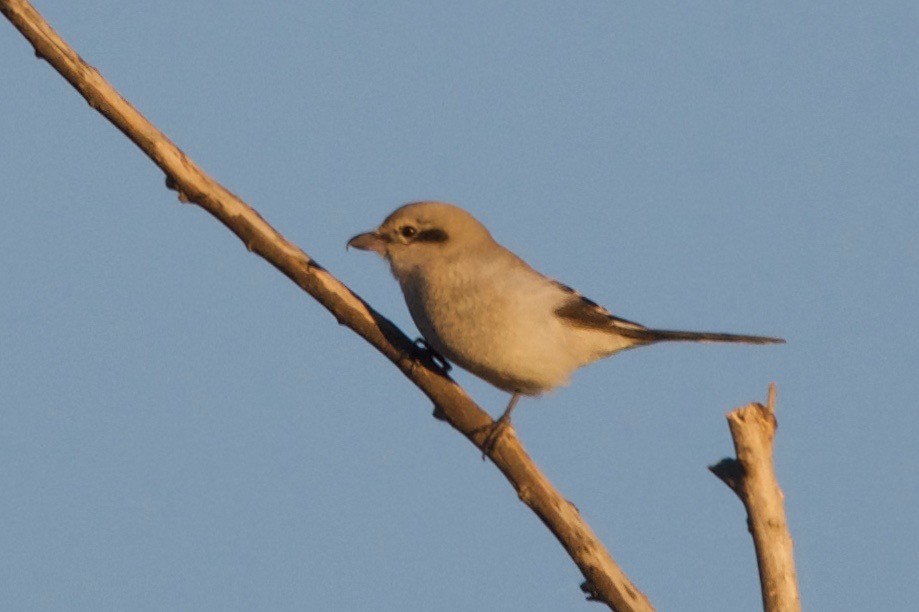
[752, 477]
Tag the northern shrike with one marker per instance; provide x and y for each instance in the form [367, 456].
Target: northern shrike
[483, 308]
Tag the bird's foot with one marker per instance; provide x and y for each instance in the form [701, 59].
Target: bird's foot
[495, 431]
[429, 356]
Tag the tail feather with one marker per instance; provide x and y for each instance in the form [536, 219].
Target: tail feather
[662, 335]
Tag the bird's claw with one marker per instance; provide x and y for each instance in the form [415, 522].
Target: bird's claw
[495, 431]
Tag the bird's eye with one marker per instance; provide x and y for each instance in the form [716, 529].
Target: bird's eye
[407, 231]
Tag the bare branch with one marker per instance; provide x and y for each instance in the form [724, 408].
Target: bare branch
[605, 581]
[752, 477]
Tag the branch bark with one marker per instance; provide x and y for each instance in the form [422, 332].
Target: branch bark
[752, 477]
[604, 580]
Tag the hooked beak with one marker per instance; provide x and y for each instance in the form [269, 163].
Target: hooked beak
[369, 241]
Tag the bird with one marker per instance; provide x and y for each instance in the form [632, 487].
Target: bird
[483, 308]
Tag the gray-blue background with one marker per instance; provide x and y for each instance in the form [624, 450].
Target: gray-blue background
[181, 428]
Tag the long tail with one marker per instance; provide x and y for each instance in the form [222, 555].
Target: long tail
[660, 335]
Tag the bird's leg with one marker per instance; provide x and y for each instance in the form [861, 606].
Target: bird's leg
[506, 417]
[500, 425]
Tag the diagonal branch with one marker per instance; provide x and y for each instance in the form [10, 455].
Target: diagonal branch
[605, 581]
[752, 477]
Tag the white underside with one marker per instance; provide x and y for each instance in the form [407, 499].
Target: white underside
[503, 327]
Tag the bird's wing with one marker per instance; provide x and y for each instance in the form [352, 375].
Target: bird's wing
[580, 311]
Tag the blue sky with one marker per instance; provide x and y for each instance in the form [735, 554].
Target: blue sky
[183, 429]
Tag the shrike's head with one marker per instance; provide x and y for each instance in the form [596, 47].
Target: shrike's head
[421, 232]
